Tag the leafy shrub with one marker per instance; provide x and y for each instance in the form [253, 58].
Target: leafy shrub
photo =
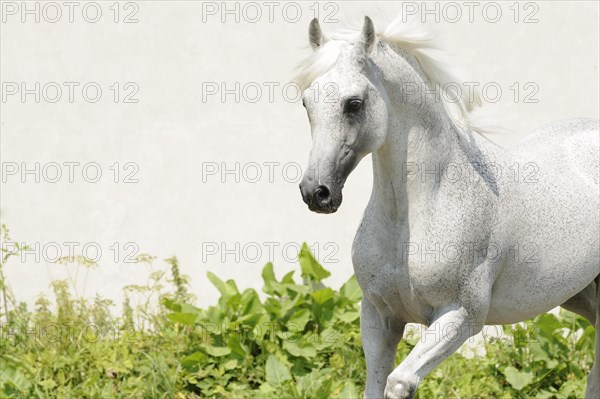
[300, 339]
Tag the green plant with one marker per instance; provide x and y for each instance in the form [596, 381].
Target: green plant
[295, 339]
[302, 340]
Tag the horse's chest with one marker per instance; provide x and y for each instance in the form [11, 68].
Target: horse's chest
[381, 260]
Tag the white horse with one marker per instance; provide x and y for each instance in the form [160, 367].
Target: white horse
[458, 232]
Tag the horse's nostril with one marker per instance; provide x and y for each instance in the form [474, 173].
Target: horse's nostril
[323, 195]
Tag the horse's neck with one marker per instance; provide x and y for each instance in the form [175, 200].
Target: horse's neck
[408, 166]
[421, 140]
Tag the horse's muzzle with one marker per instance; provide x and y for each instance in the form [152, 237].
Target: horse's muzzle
[320, 198]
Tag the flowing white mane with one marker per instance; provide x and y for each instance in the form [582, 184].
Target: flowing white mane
[417, 40]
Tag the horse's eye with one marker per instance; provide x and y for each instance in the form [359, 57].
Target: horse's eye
[353, 105]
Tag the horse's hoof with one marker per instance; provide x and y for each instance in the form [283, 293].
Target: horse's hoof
[399, 388]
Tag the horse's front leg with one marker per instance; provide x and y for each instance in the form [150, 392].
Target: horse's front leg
[442, 338]
[380, 341]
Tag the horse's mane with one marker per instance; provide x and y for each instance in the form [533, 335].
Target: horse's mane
[414, 38]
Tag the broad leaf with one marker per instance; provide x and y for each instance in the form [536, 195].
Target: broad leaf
[518, 379]
[192, 360]
[349, 390]
[269, 278]
[226, 290]
[189, 319]
[348, 317]
[300, 348]
[351, 290]
[323, 295]
[216, 351]
[275, 372]
[309, 265]
[298, 321]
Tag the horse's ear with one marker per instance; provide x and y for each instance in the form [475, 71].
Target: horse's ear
[368, 35]
[315, 35]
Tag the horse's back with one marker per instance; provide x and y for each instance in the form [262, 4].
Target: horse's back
[569, 148]
[550, 210]
[577, 139]
[561, 129]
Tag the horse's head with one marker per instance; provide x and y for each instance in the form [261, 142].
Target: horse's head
[347, 114]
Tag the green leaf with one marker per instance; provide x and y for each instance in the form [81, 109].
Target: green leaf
[171, 304]
[186, 308]
[269, 278]
[231, 364]
[232, 286]
[237, 349]
[266, 387]
[348, 317]
[298, 321]
[318, 383]
[189, 319]
[351, 290]
[276, 372]
[517, 379]
[586, 340]
[192, 360]
[323, 306]
[226, 290]
[251, 303]
[297, 289]
[349, 391]
[288, 278]
[13, 378]
[547, 322]
[323, 295]
[300, 348]
[47, 384]
[315, 384]
[329, 337]
[216, 351]
[537, 352]
[309, 265]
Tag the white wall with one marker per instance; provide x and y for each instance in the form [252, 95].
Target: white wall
[171, 132]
